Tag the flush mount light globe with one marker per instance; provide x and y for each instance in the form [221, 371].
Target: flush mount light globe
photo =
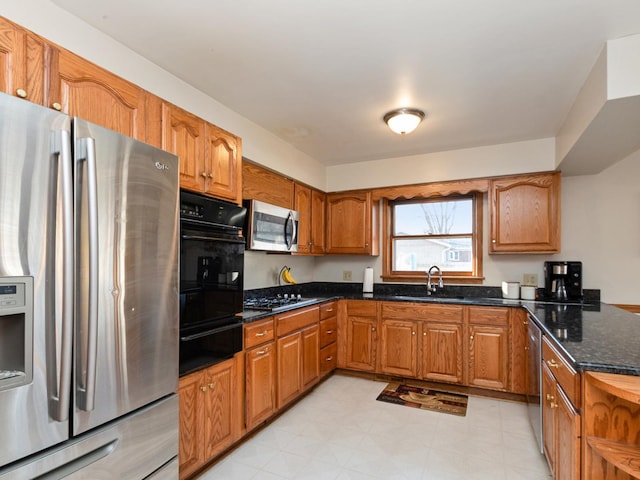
[404, 120]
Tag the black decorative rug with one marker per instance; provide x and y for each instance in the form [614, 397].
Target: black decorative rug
[425, 398]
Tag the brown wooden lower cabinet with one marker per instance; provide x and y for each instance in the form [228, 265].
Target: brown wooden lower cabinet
[442, 359]
[561, 430]
[488, 347]
[210, 414]
[611, 430]
[560, 418]
[260, 384]
[399, 347]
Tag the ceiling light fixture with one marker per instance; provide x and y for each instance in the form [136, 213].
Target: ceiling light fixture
[404, 120]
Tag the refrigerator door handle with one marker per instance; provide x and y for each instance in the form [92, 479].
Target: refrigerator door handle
[86, 389]
[61, 398]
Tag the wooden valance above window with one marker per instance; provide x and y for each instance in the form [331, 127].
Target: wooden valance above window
[425, 190]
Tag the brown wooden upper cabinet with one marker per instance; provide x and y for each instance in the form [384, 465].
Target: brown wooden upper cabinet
[22, 62]
[210, 158]
[352, 223]
[525, 213]
[310, 204]
[262, 184]
[80, 88]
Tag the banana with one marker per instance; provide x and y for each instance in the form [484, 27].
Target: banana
[286, 275]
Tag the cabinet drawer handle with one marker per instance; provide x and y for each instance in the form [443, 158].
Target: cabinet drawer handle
[471, 338]
[329, 332]
[550, 397]
[424, 334]
[261, 334]
[552, 363]
[21, 93]
[212, 385]
[262, 352]
[203, 388]
[373, 329]
[553, 405]
[329, 358]
[493, 241]
[56, 106]
[329, 310]
[413, 333]
[203, 174]
[211, 175]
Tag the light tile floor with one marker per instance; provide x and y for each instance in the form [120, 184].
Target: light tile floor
[340, 432]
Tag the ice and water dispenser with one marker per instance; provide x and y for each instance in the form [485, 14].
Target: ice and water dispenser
[16, 331]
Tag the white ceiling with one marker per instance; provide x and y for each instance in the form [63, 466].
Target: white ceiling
[321, 74]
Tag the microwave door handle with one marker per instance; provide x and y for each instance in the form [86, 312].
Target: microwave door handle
[86, 389]
[61, 398]
[289, 239]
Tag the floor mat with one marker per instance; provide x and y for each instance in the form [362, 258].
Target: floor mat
[425, 398]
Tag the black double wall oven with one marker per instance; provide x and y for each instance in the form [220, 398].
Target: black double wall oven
[211, 280]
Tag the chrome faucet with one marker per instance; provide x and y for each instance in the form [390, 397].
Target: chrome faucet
[431, 289]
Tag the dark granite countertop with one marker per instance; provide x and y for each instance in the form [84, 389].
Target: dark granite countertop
[593, 335]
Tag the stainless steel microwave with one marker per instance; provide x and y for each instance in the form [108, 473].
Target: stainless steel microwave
[271, 228]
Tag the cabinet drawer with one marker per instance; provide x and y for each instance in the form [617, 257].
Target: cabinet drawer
[564, 373]
[328, 331]
[256, 333]
[328, 359]
[489, 315]
[297, 319]
[362, 308]
[416, 311]
[328, 310]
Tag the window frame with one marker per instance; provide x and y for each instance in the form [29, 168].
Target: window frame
[473, 277]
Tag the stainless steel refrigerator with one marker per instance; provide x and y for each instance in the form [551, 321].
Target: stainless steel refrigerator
[88, 300]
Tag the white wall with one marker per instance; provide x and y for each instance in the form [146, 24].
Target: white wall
[491, 160]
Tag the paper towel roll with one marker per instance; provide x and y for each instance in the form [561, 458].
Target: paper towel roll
[367, 285]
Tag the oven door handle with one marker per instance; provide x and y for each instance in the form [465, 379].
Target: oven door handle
[207, 237]
[211, 332]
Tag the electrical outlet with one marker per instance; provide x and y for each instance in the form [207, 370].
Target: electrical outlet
[347, 275]
[530, 279]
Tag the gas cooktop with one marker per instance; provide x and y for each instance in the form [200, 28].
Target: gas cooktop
[271, 304]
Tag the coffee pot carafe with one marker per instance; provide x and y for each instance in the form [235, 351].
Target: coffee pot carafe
[563, 281]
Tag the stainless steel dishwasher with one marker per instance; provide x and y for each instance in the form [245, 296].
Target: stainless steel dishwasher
[534, 380]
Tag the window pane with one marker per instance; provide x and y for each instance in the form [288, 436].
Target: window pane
[453, 254]
[429, 218]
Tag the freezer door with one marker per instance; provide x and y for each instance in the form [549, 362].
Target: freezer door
[139, 446]
[126, 312]
[34, 403]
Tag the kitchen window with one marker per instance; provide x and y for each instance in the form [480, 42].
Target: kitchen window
[445, 231]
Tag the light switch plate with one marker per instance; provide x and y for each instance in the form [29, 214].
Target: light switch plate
[530, 279]
[347, 275]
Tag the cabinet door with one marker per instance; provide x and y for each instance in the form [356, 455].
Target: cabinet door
[518, 336]
[567, 428]
[488, 356]
[310, 356]
[442, 352]
[22, 62]
[223, 167]
[183, 135]
[351, 223]
[302, 204]
[399, 347]
[549, 404]
[289, 368]
[222, 420]
[85, 90]
[191, 392]
[318, 214]
[258, 183]
[260, 384]
[525, 214]
[361, 344]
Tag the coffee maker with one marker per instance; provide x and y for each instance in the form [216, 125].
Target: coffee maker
[563, 281]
